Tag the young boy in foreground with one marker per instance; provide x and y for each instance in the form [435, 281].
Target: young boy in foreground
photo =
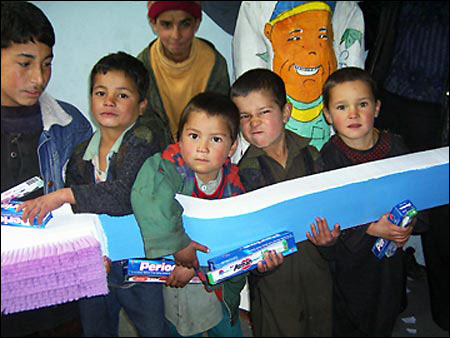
[199, 166]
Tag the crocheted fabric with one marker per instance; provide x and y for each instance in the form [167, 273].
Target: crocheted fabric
[378, 152]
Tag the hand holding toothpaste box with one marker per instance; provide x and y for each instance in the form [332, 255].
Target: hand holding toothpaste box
[401, 215]
[11, 217]
[246, 258]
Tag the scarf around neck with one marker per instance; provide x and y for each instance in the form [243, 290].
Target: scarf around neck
[231, 181]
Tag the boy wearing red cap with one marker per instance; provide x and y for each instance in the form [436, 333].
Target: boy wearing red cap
[180, 65]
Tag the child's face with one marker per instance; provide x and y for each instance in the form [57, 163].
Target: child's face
[352, 112]
[26, 70]
[115, 101]
[176, 29]
[262, 120]
[206, 144]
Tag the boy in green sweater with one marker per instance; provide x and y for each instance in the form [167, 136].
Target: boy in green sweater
[199, 166]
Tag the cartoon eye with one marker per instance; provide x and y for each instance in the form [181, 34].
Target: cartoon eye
[323, 37]
[295, 38]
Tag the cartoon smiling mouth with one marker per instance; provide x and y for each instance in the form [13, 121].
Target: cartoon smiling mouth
[306, 71]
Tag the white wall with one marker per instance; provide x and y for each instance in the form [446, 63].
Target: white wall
[88, 30]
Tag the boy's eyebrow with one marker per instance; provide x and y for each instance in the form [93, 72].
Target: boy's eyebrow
[199, 132]
[119, 88]
[31, 56]
[168, 22]
[345, 101]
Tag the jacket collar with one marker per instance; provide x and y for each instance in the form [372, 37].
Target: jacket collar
[52, 112]
[294, 142]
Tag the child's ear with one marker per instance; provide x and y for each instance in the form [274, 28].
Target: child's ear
[142, 106]
[328, 116]
[197, 25]
[154, 26]
[377, 108]
[233, 148]
[287, 111]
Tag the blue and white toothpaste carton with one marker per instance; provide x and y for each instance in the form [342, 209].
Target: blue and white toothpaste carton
[402, 215]
[11, 217]
[150, 271]
[246, 258]
[22, 189]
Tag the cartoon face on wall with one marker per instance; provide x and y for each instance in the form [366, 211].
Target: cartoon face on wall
[302, 42]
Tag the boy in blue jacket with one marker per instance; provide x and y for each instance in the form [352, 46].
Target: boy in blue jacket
[38, 133]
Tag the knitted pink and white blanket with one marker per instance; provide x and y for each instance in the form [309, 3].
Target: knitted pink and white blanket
[60, 263]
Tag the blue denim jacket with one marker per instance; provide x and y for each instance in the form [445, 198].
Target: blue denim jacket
[64, 128]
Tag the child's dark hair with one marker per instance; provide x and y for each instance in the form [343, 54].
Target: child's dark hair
[132, 67]
[213, 105]
[23, 22]
[347, 75]
[258, 80]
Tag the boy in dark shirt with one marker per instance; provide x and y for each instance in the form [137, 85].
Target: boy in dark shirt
[295, 299]
[100, 176]
[368, 293]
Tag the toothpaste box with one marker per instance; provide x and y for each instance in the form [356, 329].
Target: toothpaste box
[402, 215]
[22, 189]
[13, 218]
[246, 258]
[150, 271]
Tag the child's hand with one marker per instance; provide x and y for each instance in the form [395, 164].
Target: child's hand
[107, 263]
[385, 229]
[271, 261]
[324, 237]
[43, 205]
[187, 257]
[409, 229]
[180, 277]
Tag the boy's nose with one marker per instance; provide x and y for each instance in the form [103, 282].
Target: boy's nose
[109, 101]
[37, 76]
[202, 146]
[353, 112]
[255, 121]
[176, 32]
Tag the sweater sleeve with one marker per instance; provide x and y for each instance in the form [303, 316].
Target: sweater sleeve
[219, 80]
[156, 210]
[112, 197]
[348, 27]
[250, 47]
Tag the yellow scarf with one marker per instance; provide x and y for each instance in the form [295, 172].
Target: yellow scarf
[178, 83]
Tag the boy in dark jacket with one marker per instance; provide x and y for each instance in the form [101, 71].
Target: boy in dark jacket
[100, 176]
[295, 299]
[368, 293]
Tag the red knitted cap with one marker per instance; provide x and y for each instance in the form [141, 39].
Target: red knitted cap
[155, 8]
